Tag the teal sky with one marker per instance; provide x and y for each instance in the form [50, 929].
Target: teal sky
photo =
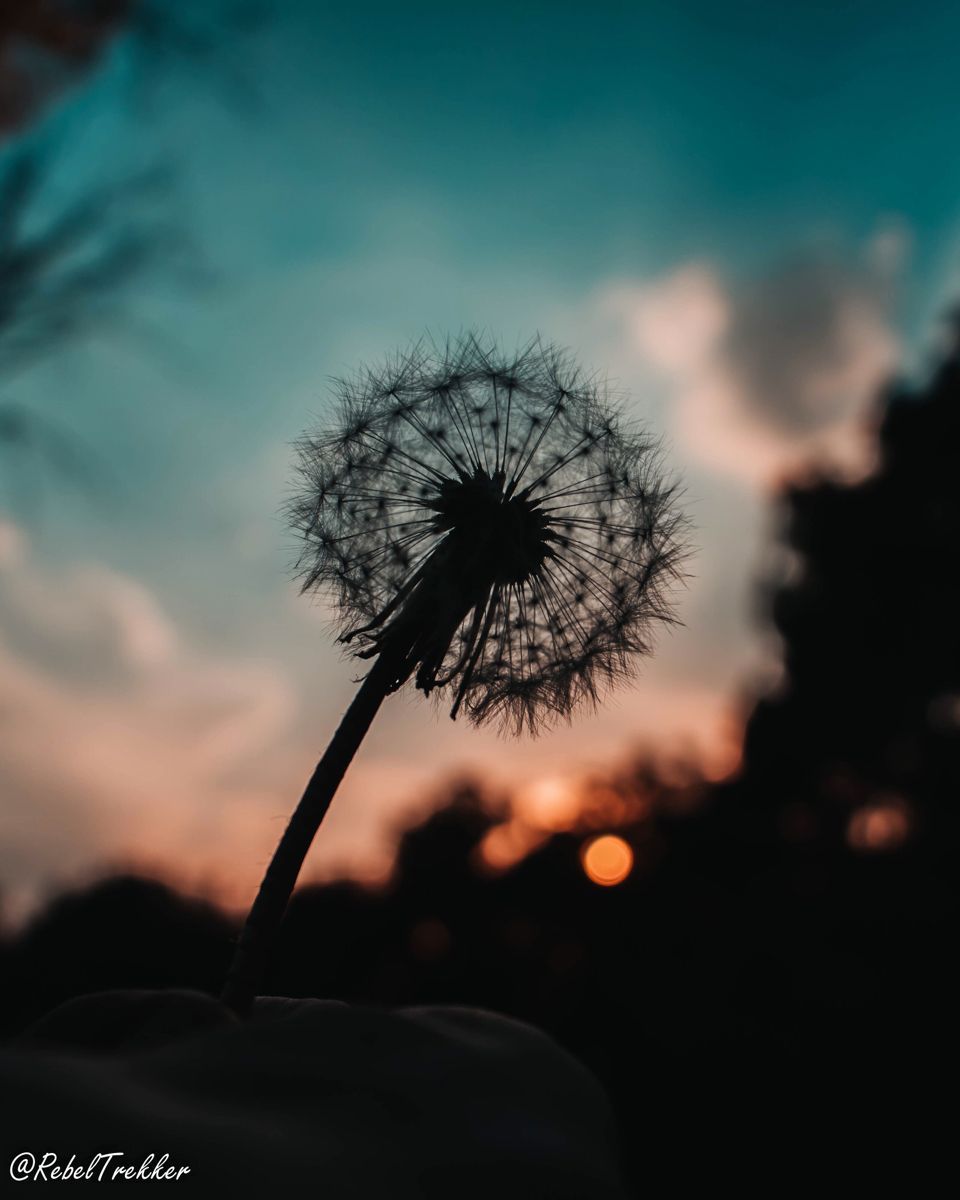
[519, 167]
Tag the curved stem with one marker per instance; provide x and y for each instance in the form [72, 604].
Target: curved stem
[259, 932]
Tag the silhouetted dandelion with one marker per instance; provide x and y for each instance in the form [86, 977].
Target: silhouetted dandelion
[489, 526]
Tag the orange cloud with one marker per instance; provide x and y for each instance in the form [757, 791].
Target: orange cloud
[125, 745]
[117, 742]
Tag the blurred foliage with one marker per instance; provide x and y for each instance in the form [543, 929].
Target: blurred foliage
[63, 276]
[47, 46]
[66, 274]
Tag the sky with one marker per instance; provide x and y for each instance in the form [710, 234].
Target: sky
[745, 215]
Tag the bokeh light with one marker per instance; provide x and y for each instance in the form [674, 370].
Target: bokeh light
[505, 845]
[607, 860]
[878, 827]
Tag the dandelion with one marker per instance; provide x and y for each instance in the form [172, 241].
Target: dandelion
[490, 527]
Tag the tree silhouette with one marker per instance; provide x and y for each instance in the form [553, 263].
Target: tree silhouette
[861, 744]
[47, 44]
[66, 274]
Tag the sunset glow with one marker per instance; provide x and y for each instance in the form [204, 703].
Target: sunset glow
[552, 803]
[166, 688]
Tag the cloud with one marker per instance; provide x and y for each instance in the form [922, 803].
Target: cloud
[87, 621]
[678, 322]
[809, 342]
[119, 743]
[771, 373]
[124, 745]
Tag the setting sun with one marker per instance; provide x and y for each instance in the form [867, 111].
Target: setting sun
[607, 860]
[550, 803]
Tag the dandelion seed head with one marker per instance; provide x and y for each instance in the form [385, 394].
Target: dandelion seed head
[493, 524]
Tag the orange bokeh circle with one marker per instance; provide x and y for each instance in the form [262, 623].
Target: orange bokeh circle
[607, 860]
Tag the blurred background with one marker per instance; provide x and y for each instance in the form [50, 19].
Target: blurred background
[747, 217]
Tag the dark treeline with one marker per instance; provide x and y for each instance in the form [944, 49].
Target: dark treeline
[782, 954]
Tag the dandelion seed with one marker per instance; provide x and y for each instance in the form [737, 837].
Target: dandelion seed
[513, 504]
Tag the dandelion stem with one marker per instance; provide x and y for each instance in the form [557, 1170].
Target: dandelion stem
[260, 930]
